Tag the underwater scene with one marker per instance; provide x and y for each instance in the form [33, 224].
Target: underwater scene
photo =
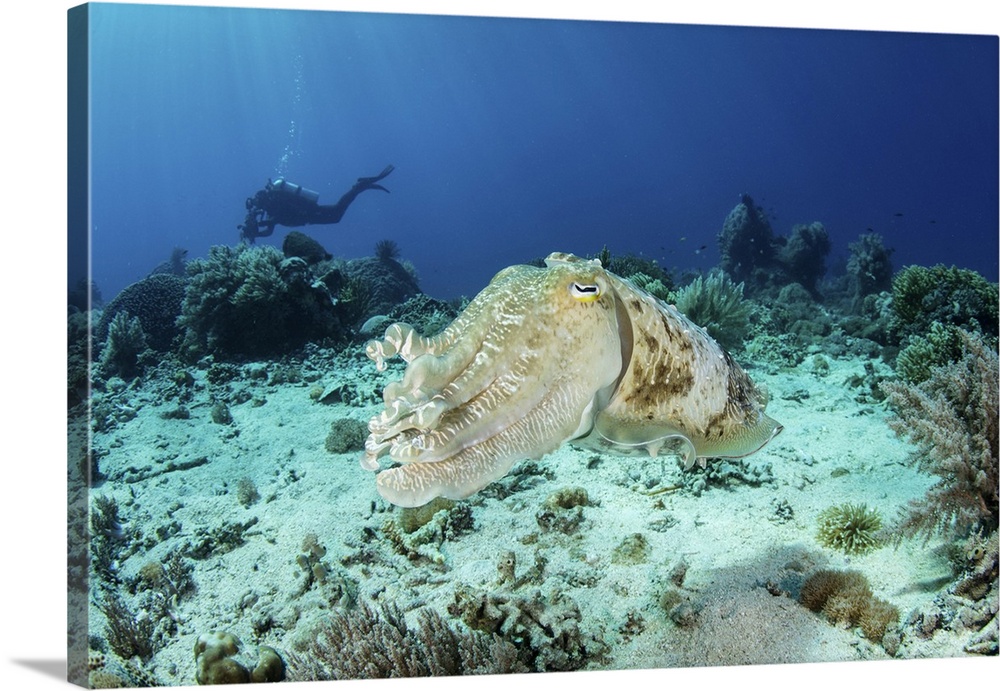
[411, 345]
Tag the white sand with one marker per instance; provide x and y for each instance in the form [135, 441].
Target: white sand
[729, 537]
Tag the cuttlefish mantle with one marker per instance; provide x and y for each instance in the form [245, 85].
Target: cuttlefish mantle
[545, 356]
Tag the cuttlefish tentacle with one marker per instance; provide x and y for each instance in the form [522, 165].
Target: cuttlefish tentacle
[558, 416]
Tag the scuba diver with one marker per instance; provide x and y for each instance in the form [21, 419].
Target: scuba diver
[287, 204]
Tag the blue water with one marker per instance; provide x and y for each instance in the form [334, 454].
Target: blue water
[514, 138]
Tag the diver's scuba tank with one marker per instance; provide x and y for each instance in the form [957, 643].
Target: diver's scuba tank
[290, 189]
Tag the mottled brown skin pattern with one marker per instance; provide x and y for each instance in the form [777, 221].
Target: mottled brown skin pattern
[679, 381]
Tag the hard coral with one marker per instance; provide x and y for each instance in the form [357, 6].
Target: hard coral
[545, 630]
[155, 301]
[387, 281]
[297, 244]
[942, 344]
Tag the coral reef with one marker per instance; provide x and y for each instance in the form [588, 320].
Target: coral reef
[105, 672]
[387, 281]
[716, 304]
[969, 604]
[83, 296]
[123, 347]
[370, 642]
[155, 301]
[942, 344]
[846, 599]
[213, 654]
[803, 255]
[636, 269]
[545, 629]
[424, 313]
[253, 301]
[849, 528]
[653, 286]
[419, 532]
[298, 244]
[952, 419]
[949, 295]
[869, 268]
[746, 243]
[346, 435]
[725, 473]
[795, 312]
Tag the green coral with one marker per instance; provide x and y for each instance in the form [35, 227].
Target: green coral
[922, 296]
[125, 344]
[943, 344]
[850, 528]
[716, 304]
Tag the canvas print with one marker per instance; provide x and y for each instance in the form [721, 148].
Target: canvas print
[414, 345]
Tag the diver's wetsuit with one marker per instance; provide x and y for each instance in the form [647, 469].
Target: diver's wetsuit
[287, 204]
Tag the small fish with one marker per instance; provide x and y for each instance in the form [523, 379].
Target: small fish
[700, 249]
[898, 214]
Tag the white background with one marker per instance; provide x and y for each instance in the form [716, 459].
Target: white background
[33, 291]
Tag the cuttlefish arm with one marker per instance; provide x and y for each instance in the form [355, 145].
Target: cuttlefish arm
[522, 370]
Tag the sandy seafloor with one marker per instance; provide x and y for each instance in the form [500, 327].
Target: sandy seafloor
[738, 550]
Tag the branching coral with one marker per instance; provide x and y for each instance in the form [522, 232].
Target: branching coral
[377, 643]
[545, 630]
[716, 304]
[952, 418]
[850, 528]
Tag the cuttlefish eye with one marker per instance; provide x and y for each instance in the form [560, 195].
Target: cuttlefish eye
[584, 292]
